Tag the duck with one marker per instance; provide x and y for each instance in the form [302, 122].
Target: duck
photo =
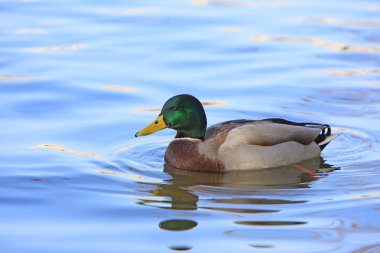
[234, 145]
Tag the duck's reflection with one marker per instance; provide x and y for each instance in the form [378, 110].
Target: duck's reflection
[177, 225]
[182, 190]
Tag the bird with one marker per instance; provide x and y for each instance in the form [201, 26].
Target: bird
[234, 145]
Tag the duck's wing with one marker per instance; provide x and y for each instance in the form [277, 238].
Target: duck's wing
[323, 138]
[225, 127]
[273, 131]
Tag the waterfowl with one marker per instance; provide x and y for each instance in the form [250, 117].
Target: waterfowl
[237, 144]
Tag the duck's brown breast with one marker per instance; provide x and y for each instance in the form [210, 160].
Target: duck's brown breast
[183, 153]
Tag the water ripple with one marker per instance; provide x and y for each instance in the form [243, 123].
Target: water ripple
[75, 74]
[332, 46]
[340, 22]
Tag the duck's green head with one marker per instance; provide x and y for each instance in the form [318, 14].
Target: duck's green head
[183, 113]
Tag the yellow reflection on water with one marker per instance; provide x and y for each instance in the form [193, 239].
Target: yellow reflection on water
[67, 150]
[232, 29]
[349, 72]
[136, 144]
[214, 103]
[373, 84]
[200, 2]
[139, 11]
[146, 110]
[128, 11]
[120, 88]
[374, 8]
[25, 1]
[53, 22]
[337, 21]
[7, 78]
[56, 48]
[351, 131]
[114, 173]
[332, 46]
[225, 3]
[371, 195]
[236, 3]
[33, 31]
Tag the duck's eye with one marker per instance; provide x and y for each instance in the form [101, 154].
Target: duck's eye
[175, 108]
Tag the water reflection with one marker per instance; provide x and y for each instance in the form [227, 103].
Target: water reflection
[180, 248]
[9, 78]
[140, 11]
[288, 240]
[256, 201]
[177, 225]
[270, 223]
[128, 11]
[340, 22]
[249, 4]
[61, 48]
[332, 46]
[120, 88]
[67, 150]
[257, 246]
[349, 72]
[31, 31]
[232, 29]
[182, 190]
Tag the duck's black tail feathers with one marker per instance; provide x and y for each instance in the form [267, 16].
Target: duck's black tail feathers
[325, 137]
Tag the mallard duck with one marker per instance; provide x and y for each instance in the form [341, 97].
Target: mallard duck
[237, 144]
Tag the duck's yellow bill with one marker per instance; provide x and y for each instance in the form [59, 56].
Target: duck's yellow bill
[155, 126]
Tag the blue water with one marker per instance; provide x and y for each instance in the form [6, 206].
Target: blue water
[79, 78]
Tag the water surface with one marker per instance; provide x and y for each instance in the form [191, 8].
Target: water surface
[79, 78]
